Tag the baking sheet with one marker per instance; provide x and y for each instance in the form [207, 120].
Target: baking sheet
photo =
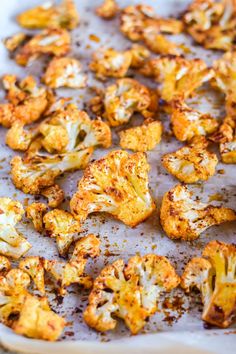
[164, 330]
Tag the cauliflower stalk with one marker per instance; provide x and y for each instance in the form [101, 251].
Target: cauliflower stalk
[214, 277]
[129, 292]
[11, 243]
[184, 218]
[64, 15]
[116, 184]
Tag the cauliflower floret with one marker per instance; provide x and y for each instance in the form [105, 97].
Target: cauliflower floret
[71, 272]
[5, 265]
[177, 77]
[13, 42]
[61, 225]
[34, 267]
[215, 278]
[228, 151]
[27, 103]
[108, 9]
[188, 123]
[136, 19]
[191, 163]
[54, 194]
[225, 70]
[139, 55]
[64, 15]
[142, 138]
[212, 23]
[18, 138]
[226, 131]
[158, 43]
[124, 98]
[52, 41]
[129, 292]
[65, 72]
[36, 172]
[35, 212]
[110, 63]
[116, 184]
[72, 130]
[11, 243]
[184, 218]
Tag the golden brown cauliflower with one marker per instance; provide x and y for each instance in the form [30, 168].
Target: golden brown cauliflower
[54, 194]
[13, 42]
[126, 97]
[110, 63]
[191, 163]
[177, 77]
[158, 43]
[225, 71]
[64, 15]
[5, 265]
[38, 171]
[35, 212]
[129, 292]
[51, 41]
[141, 138]
[139, 55]
[65, 72]
[188, 123]
[184, 218]
[18, 138]
[71, 272]
[34, 267]
[116, 184]
[61, 225]
[214, 277]
[12, 244]
[27, 103]
[228, 151]
[70, 130]
[212, 23]
[108, 9]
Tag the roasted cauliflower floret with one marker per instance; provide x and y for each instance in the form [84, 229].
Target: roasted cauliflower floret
[124, 98]
[61, 225]
[158, 43]
[72, 130]
[191, 163]
[142, 138]
[34, 173]
[27, 103]
[184, 218]
[116, 184]
[212, 23]
[18, 138]
[108, 9]
[71, 272]
[129, 292]
[13, 42]
[215, 278]
[65, 72]
[35, 212]
[54, 194]
[5, 265]
[228, 151]
[34, 267]
[64, 15]
[11, 243]
[188, 123]
[177, 77]
[136, 19]
[110, 63]
[52, 41]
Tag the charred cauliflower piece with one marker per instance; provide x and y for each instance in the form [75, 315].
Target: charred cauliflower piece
[71, 272]
[228, 151]
[11, 243]
[191, 163]
[34, 267]
[212, 23]
[177, 77]
[108, 9]
[184, 218]
[72, 130]
[139, 55]
[34, 173]
[64, 15]
[65, 72]
[214, 277]
[129, 292]
[54, 194]
[116, 184]
[142, 138]
[110, 63]
[13, 42]
[27, 103]
[61, 225]
[225, 71]
[52, 41]
[188, 123]
[35, 212]
[124, 98]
